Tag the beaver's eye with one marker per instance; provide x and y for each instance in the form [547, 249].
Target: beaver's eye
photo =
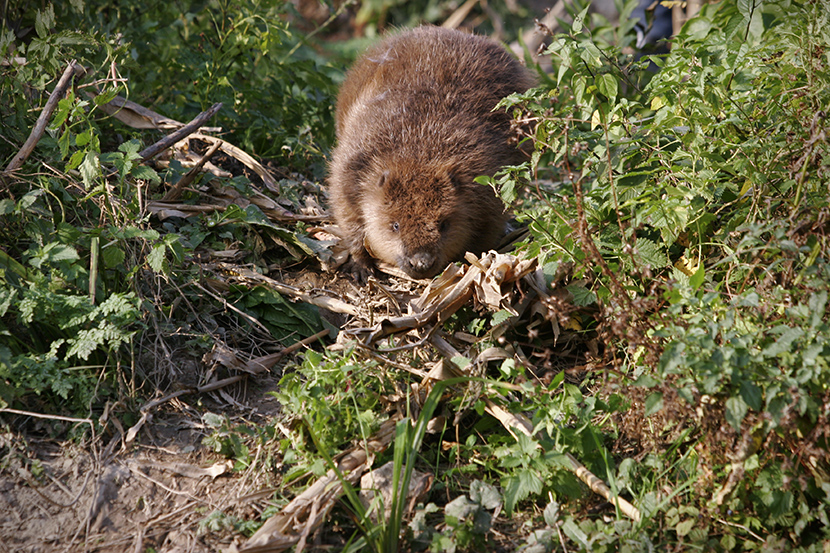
[395, 227]
[445, 224]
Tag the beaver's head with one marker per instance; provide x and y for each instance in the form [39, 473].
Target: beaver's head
[419, 218]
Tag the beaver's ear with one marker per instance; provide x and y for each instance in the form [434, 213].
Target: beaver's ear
[359, 163]
[456, 179]
[383, 181]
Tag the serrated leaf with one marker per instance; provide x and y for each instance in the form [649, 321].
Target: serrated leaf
[156, 258]
[90, 169]
[551, 513]
[146, 173]
[112, 256]
[650, 253]
[581, 295]
[573, 531]
[500, 316]
[519, 486]
[44, 20]
[75, 159]
[130, 148]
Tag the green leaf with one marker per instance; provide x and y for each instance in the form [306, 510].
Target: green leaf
[551, 513]
[697, 279]
[684, 527]
[113, 256]
[146, 173]
[500, 316]
[485, 494]
[518, 486]
[736, 410]
[156, 258]
[654, 403]
[573, 531]
[75, 160]
[579, 21]
[44, 21]
[90, 169]
[581, 295]
[607, 85]
[752, 395]
[784, 342]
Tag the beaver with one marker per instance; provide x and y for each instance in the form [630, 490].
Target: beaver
[415, 124]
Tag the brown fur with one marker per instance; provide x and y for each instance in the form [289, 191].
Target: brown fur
[415, 126]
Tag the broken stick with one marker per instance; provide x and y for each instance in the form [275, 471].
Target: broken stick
[43, 119]
[175, 136]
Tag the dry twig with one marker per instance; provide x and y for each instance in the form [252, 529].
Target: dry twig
[71, 70]
[177, 135]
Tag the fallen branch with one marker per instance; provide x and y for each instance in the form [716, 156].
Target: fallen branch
[43, 120]
[177, 135]
[137, 116]
[332, 304]
[243, 157]
[176, 192]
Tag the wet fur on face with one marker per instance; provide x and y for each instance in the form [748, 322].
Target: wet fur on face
[419, 217]
[415, 126]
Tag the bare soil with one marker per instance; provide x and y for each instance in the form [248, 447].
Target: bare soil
[156, 495]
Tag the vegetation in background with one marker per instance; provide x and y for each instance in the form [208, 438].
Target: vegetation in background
[699, 198]
[683, 215]
[83, 267]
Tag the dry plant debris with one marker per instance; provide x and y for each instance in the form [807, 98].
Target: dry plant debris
[494, 282]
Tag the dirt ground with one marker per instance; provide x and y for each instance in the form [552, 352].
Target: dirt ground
[157, 495]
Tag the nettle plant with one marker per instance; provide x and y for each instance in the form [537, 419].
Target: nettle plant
[82, 260]
[692, 202]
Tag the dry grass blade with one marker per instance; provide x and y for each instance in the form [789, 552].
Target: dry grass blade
[252, 278]
[308, 510]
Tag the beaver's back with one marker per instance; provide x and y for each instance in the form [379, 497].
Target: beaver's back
[415, 126]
